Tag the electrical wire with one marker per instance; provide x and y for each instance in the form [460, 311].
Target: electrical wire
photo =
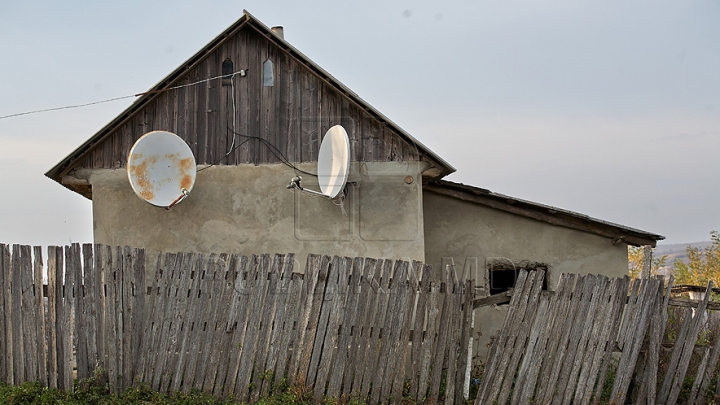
[232, 85]
[272, 148]
[65, 107]
[120, 98]
[240, 72]
[277, 153]
[226, 155]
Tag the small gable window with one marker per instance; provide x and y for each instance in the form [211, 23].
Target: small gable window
[227, 71]
[268, 74]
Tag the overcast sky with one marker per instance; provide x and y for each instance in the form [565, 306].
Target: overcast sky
[607, 108]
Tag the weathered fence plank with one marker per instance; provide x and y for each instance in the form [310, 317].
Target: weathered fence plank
[629, 314]
[187, 293]
[675, 357]
[223, 354]
[112, 302]
[337, 288]
[177, 287]
[614, 331]
[329, 274]
[277, 327]
[648, 389]
[358, 345]
[39, 304]
[508, 336]
[79, 316]
[86, 333]
[213, 344]
[630, 354]
[370, 284]
[139, 294]
[428, 342]
[554, 368]
[65, 333]
[577, 358]
[161, 301]
[148, 326]
[612, 308]
[267, 318]
[372, 350]
[16, 323]
[532, 296]
[128, 311]
[52, 315]
[259, 276]
[402, 349]
[28, 313]
[200, 364]
[193, 302]
[99, 294]
[236, 319]
[453, 348]
[497, 349]
[348, 321]
[592, 352]
[418, 332]
[466, 342]
[204, 367]
[289, 333]
[390, 332]
[311, 316]
[529, 367]
[5, 311]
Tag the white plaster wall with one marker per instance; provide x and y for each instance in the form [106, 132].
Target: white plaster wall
[469, 235]
[247, 209]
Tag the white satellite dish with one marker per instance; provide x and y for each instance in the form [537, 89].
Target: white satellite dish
[333, 164]
[161, 168]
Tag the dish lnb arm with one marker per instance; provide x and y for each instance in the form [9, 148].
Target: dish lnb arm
[295, 183]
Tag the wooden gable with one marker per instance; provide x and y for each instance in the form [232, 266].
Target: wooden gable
[290, 117]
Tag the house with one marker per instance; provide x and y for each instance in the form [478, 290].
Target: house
[260, 122]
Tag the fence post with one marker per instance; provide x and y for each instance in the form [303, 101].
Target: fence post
[647, 262]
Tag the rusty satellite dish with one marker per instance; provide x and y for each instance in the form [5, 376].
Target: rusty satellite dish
[333, 164]
[161, 168]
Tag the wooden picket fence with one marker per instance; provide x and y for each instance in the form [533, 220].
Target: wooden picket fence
[234, 325]
[555, 347]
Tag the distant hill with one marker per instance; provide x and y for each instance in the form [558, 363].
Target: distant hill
[677, 251]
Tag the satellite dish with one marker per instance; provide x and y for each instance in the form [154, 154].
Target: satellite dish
[333, 164]
[333, 161]
[161, 168]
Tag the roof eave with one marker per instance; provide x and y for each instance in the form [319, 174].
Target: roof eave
[555, 216]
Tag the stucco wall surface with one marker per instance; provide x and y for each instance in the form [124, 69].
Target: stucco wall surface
[247, 209]
[470, 235]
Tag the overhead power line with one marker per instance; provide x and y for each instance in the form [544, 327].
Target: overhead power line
[241, 73]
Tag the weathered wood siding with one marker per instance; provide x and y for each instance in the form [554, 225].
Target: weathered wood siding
[292, 115]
